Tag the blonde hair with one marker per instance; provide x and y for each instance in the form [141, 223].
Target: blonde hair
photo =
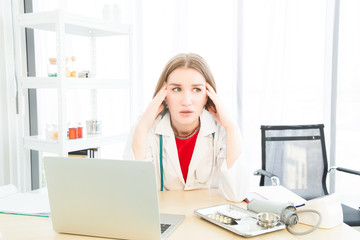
[190, 60]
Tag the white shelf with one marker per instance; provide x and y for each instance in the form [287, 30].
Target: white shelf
[62, 22]
[69, 83]
[39, 143]
[74, 24]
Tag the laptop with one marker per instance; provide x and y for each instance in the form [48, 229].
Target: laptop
[106, 198]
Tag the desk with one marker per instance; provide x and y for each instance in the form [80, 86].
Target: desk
[183, 202]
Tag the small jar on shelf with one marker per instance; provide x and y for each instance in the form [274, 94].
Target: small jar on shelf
[73, 67]
[75, 131]
[67, 70]
[52, 67]
[52, 131]
[80, 130]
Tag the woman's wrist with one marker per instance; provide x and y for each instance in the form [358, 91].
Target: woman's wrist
[139, 142]
[230, 127]
[144, 124]
[233, 147]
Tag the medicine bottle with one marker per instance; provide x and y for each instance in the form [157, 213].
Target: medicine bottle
[52, 68]
[79, 130]
[73, 133]
[67, 70]
[52, 131]
[73, 67]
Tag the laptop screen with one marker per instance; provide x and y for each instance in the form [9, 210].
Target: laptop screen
[102, 197]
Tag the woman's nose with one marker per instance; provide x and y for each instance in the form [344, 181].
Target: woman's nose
[186, 100]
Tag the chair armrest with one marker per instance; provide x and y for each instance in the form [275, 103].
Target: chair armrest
[347, 170]
[275, 181]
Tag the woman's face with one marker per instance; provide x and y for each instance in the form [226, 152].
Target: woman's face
[186, 96]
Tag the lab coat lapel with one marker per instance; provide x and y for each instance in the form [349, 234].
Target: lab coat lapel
[202, 146]
[169, 144]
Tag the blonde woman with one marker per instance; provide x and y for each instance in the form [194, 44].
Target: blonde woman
[188, 134]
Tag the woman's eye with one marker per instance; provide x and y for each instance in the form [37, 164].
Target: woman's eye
[197, 89]
[177, 89]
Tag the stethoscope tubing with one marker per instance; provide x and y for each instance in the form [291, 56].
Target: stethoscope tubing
[161, 161]
[162, 168]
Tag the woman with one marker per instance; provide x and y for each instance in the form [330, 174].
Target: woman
[188, 134]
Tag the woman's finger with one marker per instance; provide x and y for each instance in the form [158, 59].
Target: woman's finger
[160, 109]
[211, 92]
[162, 91]
[210, 88]
[160, 96]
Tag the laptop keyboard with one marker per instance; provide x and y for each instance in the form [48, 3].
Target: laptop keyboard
[164, 227]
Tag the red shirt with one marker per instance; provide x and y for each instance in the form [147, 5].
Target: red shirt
[185, 149]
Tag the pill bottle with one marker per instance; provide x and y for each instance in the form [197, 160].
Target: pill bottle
[73, 67]
[79, 130]
[73, 132]
[52, 68]
[67, 69]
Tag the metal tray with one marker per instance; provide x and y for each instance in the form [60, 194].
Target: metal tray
[246, 221]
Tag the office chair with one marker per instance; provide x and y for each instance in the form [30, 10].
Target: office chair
[295, 157]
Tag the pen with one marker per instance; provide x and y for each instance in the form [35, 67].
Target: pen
[301, 205]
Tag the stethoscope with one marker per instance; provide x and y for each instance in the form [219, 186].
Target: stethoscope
[161, 162]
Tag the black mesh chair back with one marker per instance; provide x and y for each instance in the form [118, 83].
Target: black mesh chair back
[297, 155]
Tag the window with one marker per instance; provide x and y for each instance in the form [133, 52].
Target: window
[348, 102]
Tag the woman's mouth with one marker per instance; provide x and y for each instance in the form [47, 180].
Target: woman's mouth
[186, 113]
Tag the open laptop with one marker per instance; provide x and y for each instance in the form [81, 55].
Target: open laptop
[106, 198]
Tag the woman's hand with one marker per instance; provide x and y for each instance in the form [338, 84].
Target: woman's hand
[220, 114]
[139, 141]
[233, 145]
[154, 108]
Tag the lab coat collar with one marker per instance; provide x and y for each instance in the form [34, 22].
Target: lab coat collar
[164, 126]
[208, 125]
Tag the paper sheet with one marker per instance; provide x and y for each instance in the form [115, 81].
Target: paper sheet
[23, 203]
[7, 190]
[277, 193]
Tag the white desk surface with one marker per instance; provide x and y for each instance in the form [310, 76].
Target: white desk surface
[15, 227]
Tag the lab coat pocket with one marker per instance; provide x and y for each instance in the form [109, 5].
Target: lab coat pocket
[204, 171]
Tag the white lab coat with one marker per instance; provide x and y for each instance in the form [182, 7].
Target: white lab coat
[207, 169]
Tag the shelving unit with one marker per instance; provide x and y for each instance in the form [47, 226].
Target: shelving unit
[62, 23]
[71, 83]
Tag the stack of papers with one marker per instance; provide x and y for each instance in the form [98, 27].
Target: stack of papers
[32, 204]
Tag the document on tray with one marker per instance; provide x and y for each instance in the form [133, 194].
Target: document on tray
[31, 204]
[276, 193]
